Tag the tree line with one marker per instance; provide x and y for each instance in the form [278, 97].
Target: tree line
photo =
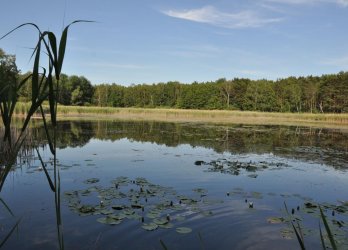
[326, 93]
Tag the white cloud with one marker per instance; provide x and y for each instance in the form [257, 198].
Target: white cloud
[343, 3]
[341, 62]
[117, 66]
[210, 15]
[193, 51]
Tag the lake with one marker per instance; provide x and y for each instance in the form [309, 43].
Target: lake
[133, 185]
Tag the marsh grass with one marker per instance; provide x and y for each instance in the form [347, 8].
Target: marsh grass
[206, 116]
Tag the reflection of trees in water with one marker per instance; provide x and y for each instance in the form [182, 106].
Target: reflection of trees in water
[25, 152]
[320, 145]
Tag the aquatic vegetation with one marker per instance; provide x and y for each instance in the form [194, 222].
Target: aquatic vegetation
[153, 205]
[240, 167]
[334, 228]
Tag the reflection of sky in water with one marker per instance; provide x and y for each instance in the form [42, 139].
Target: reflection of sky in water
[174, 167]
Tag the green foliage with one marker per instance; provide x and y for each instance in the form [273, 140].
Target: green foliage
[303, 94]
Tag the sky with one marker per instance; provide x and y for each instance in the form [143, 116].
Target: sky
[152, 41]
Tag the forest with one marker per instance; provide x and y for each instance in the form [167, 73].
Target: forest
[314, 94]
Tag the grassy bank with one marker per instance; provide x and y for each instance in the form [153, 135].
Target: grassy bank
[206, 116]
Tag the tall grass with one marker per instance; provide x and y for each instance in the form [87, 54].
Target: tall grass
[45, 86]
[208, 116]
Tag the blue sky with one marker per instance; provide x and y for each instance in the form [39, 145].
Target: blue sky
[151, 41]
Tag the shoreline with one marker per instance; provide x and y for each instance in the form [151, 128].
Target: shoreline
[204, 116]
[223, 117]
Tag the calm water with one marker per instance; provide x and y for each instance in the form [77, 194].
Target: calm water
[204, 177]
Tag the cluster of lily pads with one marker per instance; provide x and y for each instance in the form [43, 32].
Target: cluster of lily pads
[153, 205]
[237, 167]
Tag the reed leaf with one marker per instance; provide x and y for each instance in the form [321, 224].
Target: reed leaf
[50, 144]
[328, 230]
[322, 238]
[53, 43]
[46, 173]
[35, 77]
[2, 243]
[297, 231]
[164, 247]
[7, 207]
[201, 240]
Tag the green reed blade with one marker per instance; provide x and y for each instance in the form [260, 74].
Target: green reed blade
[35, 77]
[9, 234]
[322, 237]
[50, 144]
[163, 245]
[45, 170]
[328, 230]
[53, 43]
[7, 207]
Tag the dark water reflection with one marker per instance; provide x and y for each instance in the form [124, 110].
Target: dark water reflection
[165, 154]
[325, 146]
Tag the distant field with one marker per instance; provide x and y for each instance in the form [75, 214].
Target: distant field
[205, 116]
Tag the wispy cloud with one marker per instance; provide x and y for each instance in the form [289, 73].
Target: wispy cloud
[211, 15]
[118, 66]
[343, 3]
[196, 51]
[339, 62]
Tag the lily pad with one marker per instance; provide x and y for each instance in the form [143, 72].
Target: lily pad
[275, 220]
[117, 207]
[85, 209]
[109, 220]
[183, 230]
[150, 226]
[161, 221]
[91, 180]
[166, 226]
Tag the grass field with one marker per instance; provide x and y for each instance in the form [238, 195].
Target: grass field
[202, 116]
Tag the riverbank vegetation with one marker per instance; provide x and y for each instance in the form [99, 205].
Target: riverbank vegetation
[182, 115]
[311, 94]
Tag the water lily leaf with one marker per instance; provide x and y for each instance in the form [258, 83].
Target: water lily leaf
[207, 213]
[253, 176]
[86, 209]
[256, 195]
[310, 205]
[183, 230]
[108, 220]
[106, 212]
[275, 220]
[180, 218]
[128, 212]
[136, 206]
[154, 213]
[85, 192]
[117, 216]
[118, 207]
[287, 233]
[200, 190]
[134, 216]
[166, 226]
[149, 226]
[91, 181]
[161, 221]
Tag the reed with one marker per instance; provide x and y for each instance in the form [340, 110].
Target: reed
[206, 116]
[45, 86]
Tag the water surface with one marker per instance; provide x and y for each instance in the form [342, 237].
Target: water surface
[211, 175]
